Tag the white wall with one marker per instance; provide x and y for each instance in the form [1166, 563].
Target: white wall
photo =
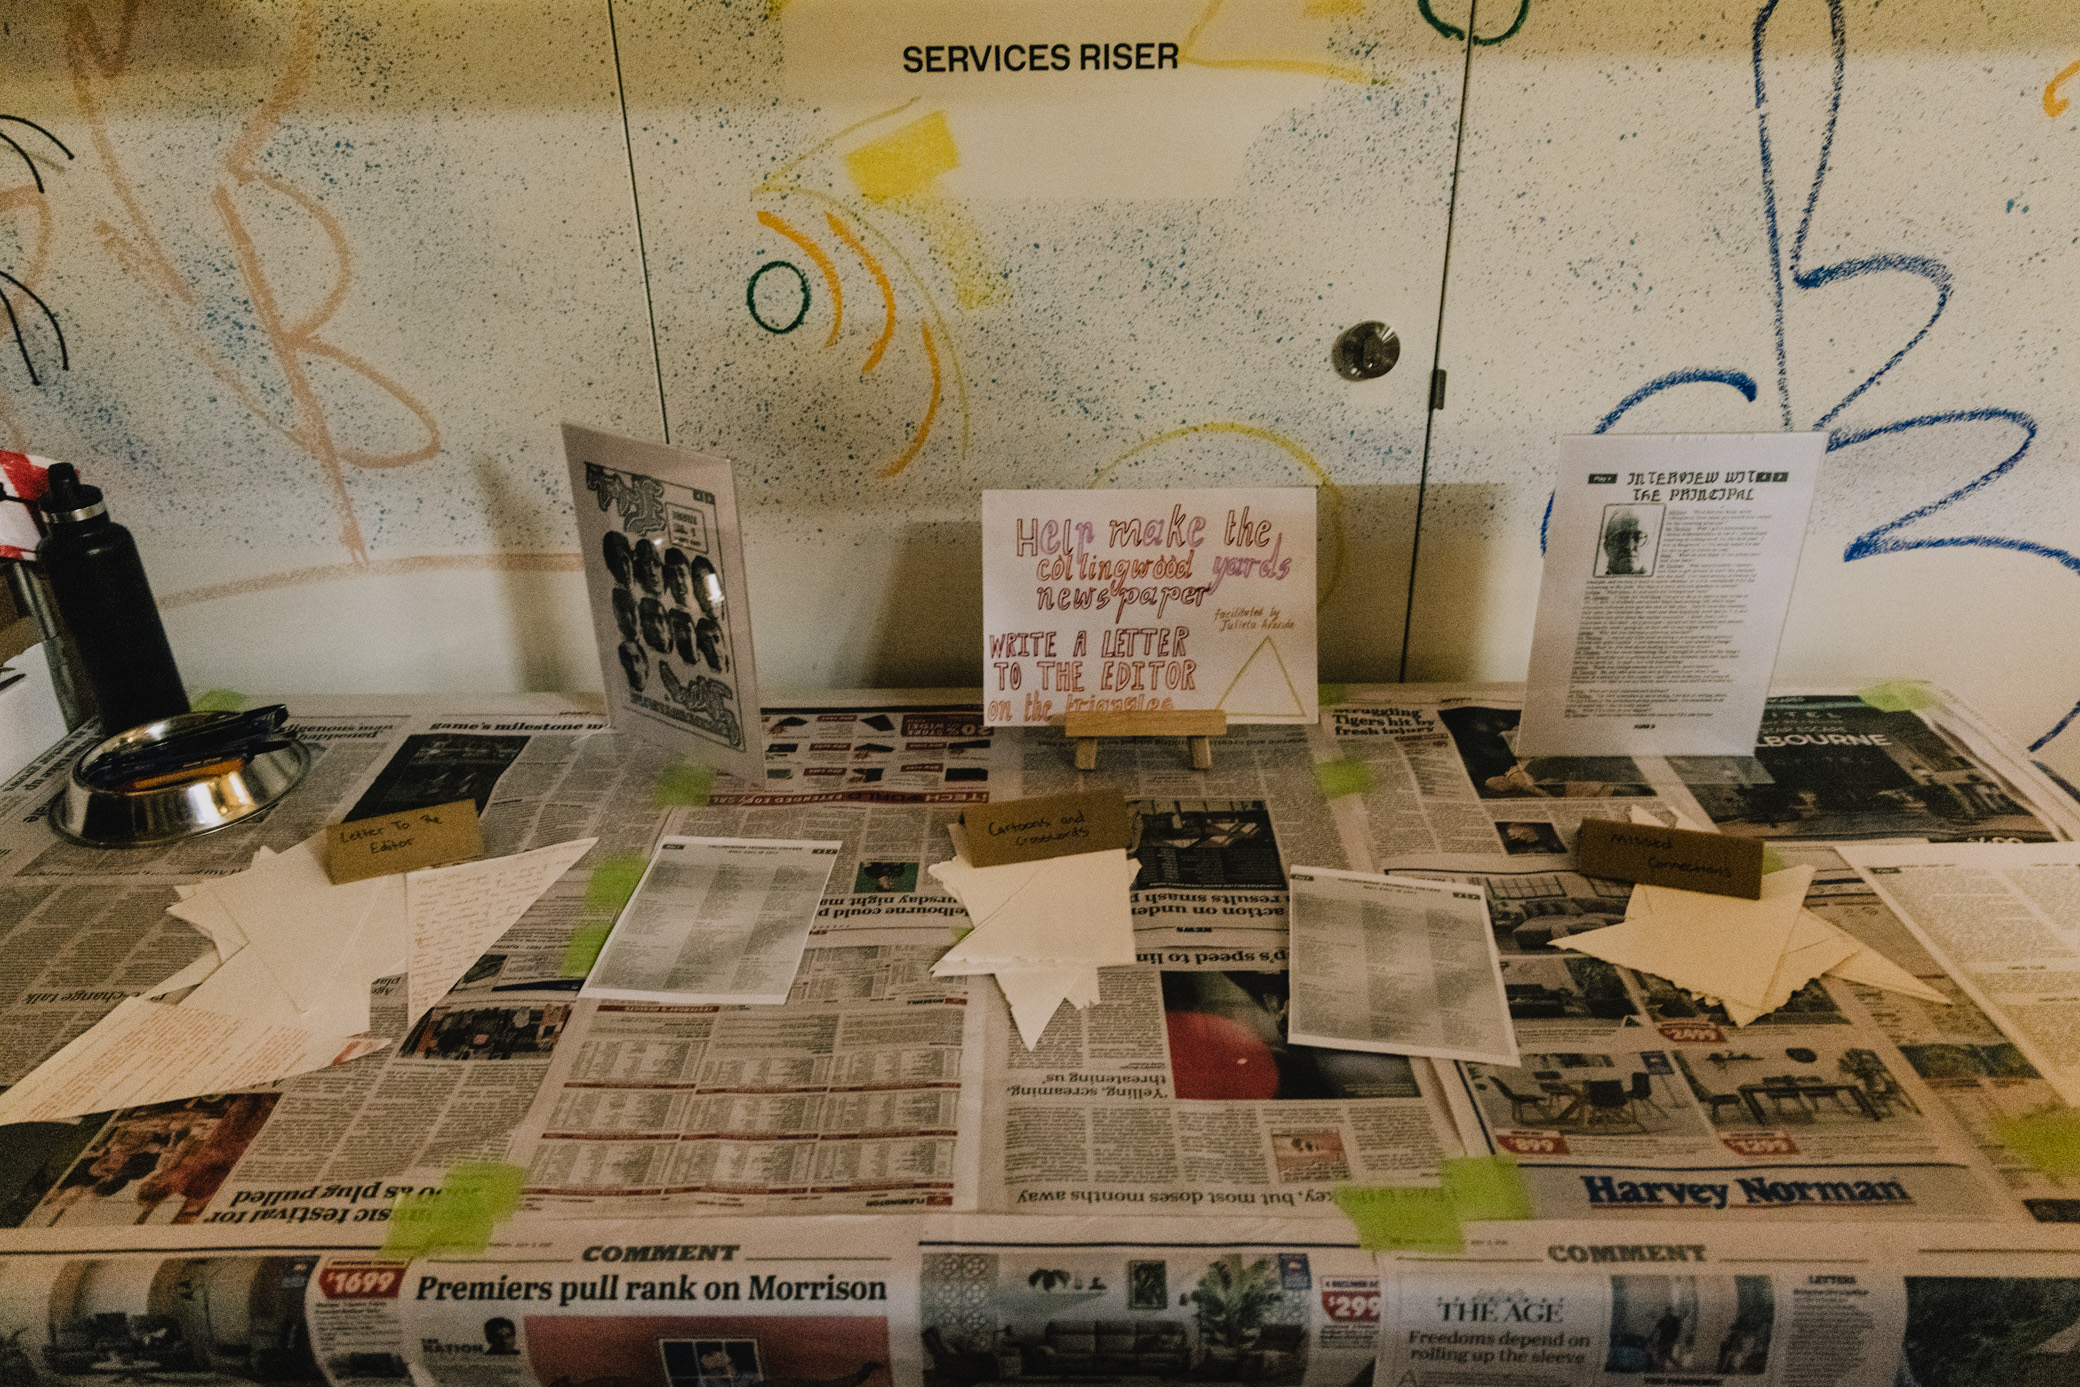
[329, 275]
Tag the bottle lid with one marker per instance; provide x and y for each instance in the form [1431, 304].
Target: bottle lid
[70, 500]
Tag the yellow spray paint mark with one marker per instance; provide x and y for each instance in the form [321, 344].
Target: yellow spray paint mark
[2054, 104]
[888, 291]
[823, 265]
[956, 242]
[904, 161]
[1326, 9]
[1331, 495]
[781, 183]
[1193, 50]
[931, 409]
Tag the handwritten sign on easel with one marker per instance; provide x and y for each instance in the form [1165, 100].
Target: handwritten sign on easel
[1149, 602]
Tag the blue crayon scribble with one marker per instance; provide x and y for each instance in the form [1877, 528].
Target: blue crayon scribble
[1885, 538]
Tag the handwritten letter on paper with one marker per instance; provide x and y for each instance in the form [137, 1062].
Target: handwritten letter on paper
[1127, 601]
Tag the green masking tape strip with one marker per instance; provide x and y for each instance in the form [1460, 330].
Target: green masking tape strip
[612, 882]
[1486, 1189]
[474, 1198]
[1348, 776]
[218, 701]
[2049, 1140]
[1897, 696]
[1329, 695]
[583, 951]
[684, 785]
[1401, 1218]
[1771, 862]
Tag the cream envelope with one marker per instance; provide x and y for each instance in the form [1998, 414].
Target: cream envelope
[1720, 946]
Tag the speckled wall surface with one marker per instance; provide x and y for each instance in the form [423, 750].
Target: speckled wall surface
[1889, 252]
[329, 274]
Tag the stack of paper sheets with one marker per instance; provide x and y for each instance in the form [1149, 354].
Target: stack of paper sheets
[1750, 956]
[1044, 928]
[284, 987]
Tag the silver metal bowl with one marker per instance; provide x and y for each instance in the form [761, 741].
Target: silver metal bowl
[135, 819]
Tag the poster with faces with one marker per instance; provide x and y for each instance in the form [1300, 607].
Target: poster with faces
[657, 531]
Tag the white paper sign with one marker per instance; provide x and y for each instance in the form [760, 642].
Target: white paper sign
[716, 921]
[664, 574]
[1669, 565]
[1396, 965]
[1128, 601]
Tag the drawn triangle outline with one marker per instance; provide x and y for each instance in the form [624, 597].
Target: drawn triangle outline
[1299, 710]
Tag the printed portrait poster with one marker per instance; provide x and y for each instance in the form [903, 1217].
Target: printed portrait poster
[664, 577]
[1670, 561]
[1127, 601]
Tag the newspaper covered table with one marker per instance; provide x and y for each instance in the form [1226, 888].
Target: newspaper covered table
[1145, 1194]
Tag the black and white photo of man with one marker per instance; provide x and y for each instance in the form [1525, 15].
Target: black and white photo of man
[1631, 535]
[614, 548]
[649, 567]
[635, 663]
[624, 603]
[656, 634]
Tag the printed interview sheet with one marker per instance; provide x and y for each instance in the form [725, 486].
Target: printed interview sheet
[1397, 965]
[1668, 571]
[716, 921]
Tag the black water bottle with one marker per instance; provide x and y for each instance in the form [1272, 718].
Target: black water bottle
[99, 586]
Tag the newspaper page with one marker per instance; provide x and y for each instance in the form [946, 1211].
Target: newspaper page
[840, 1302]
[1978, 1076]
[1445, 786]
[2004, 920]
[938, 1300]
[1717, 1306]
[1180, 1092]
[330, 1147]
[846, 1099]
[1214, 844]
[1632, 1095]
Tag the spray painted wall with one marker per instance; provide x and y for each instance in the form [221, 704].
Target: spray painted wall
[327, 276]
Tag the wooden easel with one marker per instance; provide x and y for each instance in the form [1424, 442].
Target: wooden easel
[1196, 726]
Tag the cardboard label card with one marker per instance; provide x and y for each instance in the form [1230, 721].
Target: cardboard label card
[1678, 857]
[664, 572]
[1027, 830]
[1130, 601]
[1668, 572]
[363, 848]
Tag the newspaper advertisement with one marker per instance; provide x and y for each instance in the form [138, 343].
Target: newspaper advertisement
[1980, 1078]
[1831, 767]
[1567, 1303]
[1633, 1097]
[916, 754]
